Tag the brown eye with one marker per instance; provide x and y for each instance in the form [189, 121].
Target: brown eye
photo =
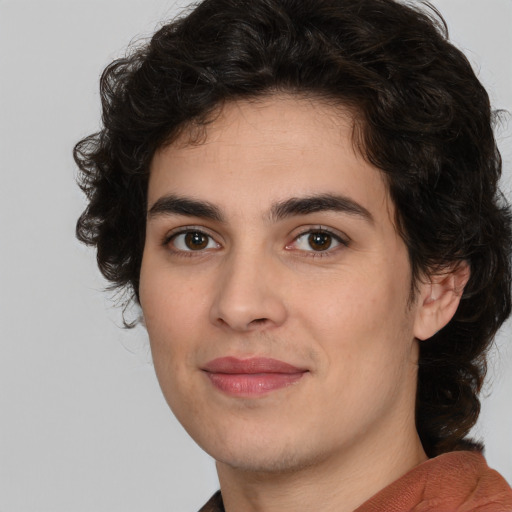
[192, 241]
[319, 241]
[195, 240]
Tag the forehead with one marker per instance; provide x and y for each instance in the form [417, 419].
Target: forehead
[268, 150]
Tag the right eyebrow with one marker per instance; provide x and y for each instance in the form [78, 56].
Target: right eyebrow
[319, 203]
[177, 205]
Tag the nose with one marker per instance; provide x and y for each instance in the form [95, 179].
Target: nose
[249, 295]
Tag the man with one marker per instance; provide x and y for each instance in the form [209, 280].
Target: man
[302, 197]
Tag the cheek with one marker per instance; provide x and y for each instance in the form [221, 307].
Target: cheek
[168, 321]
[165, 315]
[176, 309]
[363, 328]
[353, 303]
[171, 310]
[170, 302]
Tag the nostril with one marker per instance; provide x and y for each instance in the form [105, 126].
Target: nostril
[258, 321]
[221, 321]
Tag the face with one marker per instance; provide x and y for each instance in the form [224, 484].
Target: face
[275, 289]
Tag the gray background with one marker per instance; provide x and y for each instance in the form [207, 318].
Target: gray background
[83, 425]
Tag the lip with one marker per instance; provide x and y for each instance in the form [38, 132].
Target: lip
[251, 377]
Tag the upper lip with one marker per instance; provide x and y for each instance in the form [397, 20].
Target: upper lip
[251, 365]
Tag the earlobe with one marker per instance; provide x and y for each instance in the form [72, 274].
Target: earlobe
[439, 299]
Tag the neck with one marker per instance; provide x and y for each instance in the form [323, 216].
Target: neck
[339, 482]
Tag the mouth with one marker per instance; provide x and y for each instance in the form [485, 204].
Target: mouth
[251, 377]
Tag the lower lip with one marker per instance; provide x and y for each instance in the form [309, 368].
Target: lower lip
[252, 384]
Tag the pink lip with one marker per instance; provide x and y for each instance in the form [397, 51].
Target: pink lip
[251, 377]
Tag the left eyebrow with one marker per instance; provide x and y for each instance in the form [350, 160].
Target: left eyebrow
[318, 203]
[177, 205]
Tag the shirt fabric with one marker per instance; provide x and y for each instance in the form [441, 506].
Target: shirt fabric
[453, 482]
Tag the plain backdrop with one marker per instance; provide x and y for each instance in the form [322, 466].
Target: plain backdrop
[83, 425]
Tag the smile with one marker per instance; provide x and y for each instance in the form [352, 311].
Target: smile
[251, 377]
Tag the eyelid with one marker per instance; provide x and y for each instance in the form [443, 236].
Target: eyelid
[183, 230]
[341, 238]
[337, 235]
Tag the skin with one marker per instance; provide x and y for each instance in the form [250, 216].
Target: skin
[255, 286]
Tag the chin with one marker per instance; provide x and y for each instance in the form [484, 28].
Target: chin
[269, 465]
[269, 458]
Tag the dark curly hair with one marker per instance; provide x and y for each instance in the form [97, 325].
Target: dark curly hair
[423, 119]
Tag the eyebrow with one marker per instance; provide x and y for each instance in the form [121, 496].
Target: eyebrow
[318, 203]
[178, 205]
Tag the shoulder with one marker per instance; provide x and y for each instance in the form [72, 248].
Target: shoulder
[450, 482]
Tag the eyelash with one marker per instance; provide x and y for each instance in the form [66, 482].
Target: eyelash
[341, 241]
[167, 241]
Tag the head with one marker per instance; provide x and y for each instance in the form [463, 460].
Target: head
[385, 76]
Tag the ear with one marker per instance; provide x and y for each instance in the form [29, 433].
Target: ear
[439, 299]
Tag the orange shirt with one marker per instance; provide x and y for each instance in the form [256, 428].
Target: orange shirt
[452, 482]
